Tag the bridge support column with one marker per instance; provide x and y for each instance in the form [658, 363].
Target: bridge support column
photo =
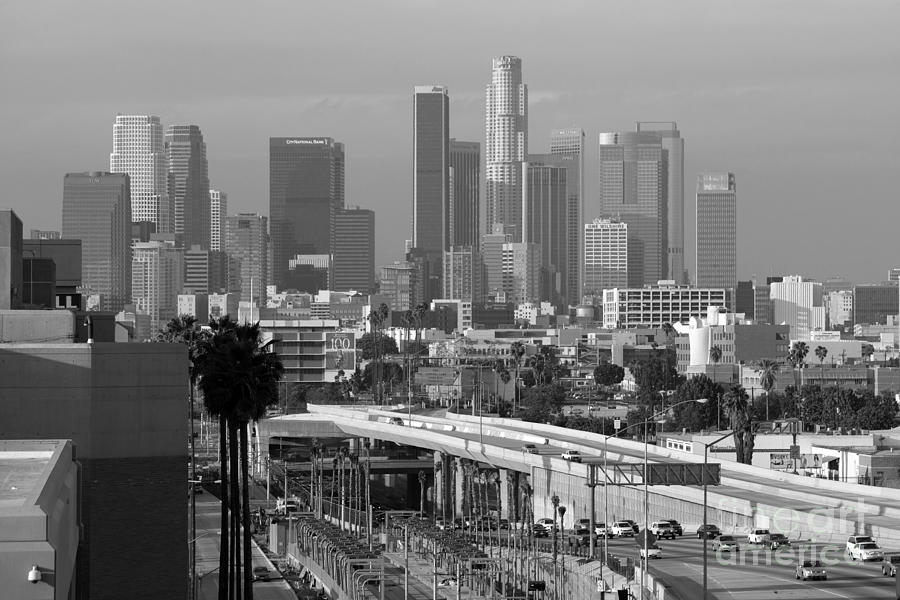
[439, 490]
[506, 507]
[459, 487]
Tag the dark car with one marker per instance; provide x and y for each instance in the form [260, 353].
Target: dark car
[778, 540]
[539, 531]
[676, 526]
[708, 531]
[260, 574]
[889, 564]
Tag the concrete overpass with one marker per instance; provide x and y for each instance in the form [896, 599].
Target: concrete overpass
[806, 508]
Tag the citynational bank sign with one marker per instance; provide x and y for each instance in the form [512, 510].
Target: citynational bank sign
[306, 141]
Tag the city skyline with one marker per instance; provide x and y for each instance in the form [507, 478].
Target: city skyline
[730, 107]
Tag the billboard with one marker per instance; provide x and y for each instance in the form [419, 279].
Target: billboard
[340, 351]
[436, 376]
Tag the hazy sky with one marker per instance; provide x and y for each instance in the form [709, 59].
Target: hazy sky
[798, 98]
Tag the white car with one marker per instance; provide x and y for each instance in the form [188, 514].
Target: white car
[448, 582]
[866, 551]
[653, 551]
[572, 455]
[810, 569]
[662, 529]
[725, 543]
[622, 528]
[858, 539]
[758, 536]
[600, 530]
[546, 523]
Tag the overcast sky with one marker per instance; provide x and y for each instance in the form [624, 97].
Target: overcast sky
[798, 98]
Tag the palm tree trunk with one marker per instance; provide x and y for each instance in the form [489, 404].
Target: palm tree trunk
[245, 514]
[235, 506]
[223, 524]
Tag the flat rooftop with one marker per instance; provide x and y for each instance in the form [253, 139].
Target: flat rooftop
[24, 468]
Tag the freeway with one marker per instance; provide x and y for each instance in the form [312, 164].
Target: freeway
[754, 573]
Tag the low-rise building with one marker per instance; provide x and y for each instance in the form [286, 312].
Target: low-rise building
[311, 351]
[652, 306]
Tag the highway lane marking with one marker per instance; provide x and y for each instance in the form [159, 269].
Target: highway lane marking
[716, 581]
[779, 579]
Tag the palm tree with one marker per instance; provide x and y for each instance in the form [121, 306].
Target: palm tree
[423, 479]
[737, 407]
[562, 522]
[239, 377]
[527, 498]
[517, 349]
[554, 500]
[715, 354]
[768, 375]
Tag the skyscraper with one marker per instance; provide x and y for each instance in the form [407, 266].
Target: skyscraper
[492, 260]
[462, 274]
[633, 188]
[188, 185]
[97, 211]
[399, 283]
[465, 190]
[139, 151]
[306, 187]
[246, 243]
[605, 256]
[567, 147]
[157, 277]
[666, 132]
[716, 231]
[218, 210]
[431, 169]
[521, 272]
[353, 264]
[545, 224]
[506, 144]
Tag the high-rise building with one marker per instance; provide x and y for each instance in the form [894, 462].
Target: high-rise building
[431, 169]
[246, 243]
[465, 190]
[521, 272]
[196, 271]
[399, 282]
[634, 178]
[762, 303]
[798, 303]
[353, 262]
[873, 303]
[671, 141]
[605, 256]
[188, 185]
[567, 147]
[462, 274]
[492, 260]
[506, 144]
[97, 211]
[157, 277]
[716, 231]
[306, 188]
[139, 151]
[218, 211]
[544, 223]
[744, 299]
[839, 307]
[893, 273]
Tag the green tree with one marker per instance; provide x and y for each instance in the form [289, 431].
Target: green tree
[737, 406]
[609, 374]
[821, 353]
[238, 375]
[797, 354]
[517, 350]
[692, 415]
[877, 412]
[867, 351]
[715, 354]
[655, 374]
[367, 345]
[539, 403]
[768, 376]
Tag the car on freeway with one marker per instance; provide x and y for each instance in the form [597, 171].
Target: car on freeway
[662, 529]
[810, 569]
[601, 530]
[778, 540]
[622, 529]
[547, 523]
[708, 531]
[447, 582]
[572, 455]
[576, 412]
[889, 565]
[758, 536]
[261, 574]
[539, 531]
[396, 421]
[653, 551]
[504, 523]
[676, 526]
[634, 526]
[585, 522]
[857, 539]
[529, 449]
[726, 543]
[866, 551]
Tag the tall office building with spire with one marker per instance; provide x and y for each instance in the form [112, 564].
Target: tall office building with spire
[188, 185]
[506, 145]
[139, 151]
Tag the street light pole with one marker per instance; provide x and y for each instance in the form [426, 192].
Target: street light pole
[705, 535]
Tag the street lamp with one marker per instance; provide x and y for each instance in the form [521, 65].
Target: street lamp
[705, 534]
[646, 487]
